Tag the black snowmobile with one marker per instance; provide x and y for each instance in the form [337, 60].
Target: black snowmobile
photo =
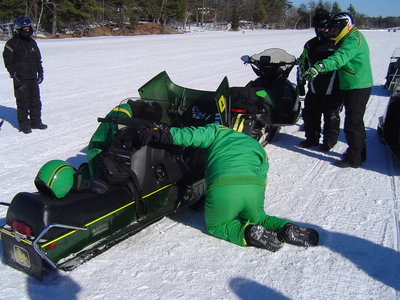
[389, 123]
[257, 109]
[138, 185]
[281, 103]
[393, 72]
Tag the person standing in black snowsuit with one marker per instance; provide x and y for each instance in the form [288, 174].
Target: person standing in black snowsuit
[322, 96]
[23, 61]
[353, 64]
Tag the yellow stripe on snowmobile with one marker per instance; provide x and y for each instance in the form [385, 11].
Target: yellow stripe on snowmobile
[88, 224]
[239, 123]
[120, 109]
[12, 235]
[148, 195]
[105, 216]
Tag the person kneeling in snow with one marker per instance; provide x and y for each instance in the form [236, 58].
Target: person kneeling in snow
[236, 173]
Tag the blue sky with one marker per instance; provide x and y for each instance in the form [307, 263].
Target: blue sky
[372, 8]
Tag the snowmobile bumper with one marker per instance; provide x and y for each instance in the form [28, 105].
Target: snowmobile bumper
[61, 246]
[26, 255]
[19, 254]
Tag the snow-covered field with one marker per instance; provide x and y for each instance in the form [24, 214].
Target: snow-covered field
[356, 211]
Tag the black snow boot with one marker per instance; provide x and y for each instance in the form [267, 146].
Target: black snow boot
[308, 144]
[299, 236]
[258, 236]
[40, 126]
[25, 129]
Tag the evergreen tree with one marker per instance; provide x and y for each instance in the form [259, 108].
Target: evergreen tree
[336, 8]
[351, 10]
[235, 14]
[10, 9]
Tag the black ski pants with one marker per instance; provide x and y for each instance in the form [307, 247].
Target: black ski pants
[355, 104]
[316, 106]
[29, 106]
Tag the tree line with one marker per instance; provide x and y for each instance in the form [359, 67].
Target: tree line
[55, 16]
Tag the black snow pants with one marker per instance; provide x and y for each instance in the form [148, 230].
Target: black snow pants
[29, 106]
[355, 103]
[316, 106]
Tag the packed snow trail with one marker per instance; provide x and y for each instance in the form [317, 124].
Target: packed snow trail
[356, 211]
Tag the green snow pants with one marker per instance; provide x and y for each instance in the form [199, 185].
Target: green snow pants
[229, 208]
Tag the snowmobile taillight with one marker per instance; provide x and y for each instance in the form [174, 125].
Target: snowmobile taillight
[21, 228]
[51, 246]
[239, 111]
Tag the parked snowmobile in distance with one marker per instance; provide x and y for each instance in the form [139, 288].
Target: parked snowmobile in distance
[281, 104]
[389, 123]
[393, 72]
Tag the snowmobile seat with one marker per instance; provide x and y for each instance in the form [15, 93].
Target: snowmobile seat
[247, 99]
[75, 209]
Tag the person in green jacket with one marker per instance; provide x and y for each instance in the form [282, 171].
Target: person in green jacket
[235, 176]
[352, 60]
[105, 133]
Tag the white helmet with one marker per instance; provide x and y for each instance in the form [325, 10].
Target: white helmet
[342, 21]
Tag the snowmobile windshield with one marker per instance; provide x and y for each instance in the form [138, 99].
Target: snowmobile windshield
[273, 64]
[274, 56]
[396, 53]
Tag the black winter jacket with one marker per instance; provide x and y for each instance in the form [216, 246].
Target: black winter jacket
[315, 50]
[22, 58]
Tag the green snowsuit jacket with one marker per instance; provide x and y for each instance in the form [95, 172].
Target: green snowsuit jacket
[352, 61]
[236, 173]
[105, 133]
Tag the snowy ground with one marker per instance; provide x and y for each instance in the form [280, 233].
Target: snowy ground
[355, 210]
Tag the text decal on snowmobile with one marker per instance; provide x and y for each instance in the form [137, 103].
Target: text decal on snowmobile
[21, 256]
[221, 103]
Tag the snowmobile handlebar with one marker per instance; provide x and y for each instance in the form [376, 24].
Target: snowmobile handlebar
[248, 60]
[131, 122]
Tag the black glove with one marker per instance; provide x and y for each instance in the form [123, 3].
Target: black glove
[40, 78]
[156, 136]
[301, 89]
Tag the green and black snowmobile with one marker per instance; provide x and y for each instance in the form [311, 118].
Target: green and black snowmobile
[280, 105]
[77, 214]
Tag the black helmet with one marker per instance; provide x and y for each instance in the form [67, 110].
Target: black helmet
[320, 18]
[21, 22]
